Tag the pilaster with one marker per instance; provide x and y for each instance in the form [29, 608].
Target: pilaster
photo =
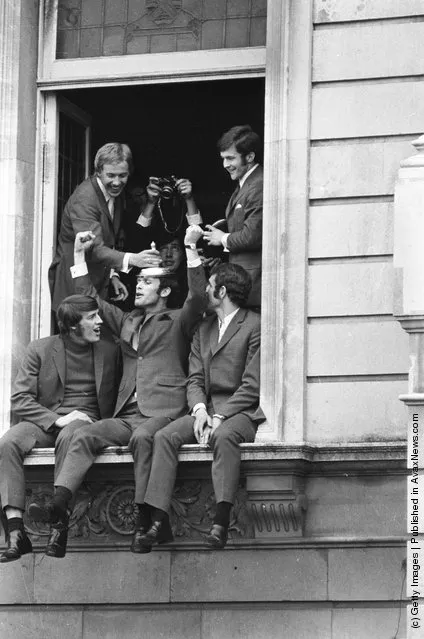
[18, 54]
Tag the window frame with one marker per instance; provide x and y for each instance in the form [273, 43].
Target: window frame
[286, 175]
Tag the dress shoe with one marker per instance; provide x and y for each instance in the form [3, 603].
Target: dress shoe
[138, 545]
[160, 532]
[18, 544]
[58, 538]
[217, 537]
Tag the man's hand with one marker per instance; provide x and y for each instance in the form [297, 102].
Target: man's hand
[73, 416]
[145, 259]
[120, 291]
[185, 188]
[201, 426]
[210, 262]
[193, 234]
[83, 241]
[153, 190]
[213, 236]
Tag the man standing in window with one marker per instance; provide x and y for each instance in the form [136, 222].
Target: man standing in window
[239, 149]
[96, 205]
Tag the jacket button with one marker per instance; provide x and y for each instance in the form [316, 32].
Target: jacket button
[140, 358]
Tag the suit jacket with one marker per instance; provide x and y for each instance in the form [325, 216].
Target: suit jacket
[38, 390]
[225, 375]
[86, 210]
[158, 369]
[244, 220]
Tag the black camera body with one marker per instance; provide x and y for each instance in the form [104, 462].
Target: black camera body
[168, 185]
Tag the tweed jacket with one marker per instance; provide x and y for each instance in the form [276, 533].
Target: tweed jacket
[158, 369]
[86, 210]
[39, 387]
[244, 221]
[225, 375]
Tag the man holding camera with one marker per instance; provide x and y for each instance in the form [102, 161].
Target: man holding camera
[239, 149]
[155, 343]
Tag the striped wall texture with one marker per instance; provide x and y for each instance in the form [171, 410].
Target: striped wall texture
[367, 106]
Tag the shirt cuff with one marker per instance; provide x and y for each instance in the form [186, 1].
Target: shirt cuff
[125, 268]
[197, 406]
[196, 218]
[144, 221]
[113, 273]
[78, 270]
[194, 263]
[224, 241]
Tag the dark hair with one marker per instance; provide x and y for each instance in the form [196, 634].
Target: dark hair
[244, 139]
[70, 310]
[170, 281]
[236, 280]
[112, 153]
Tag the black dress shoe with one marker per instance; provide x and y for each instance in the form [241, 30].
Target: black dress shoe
[58, 538]
[138, 545]
[160, 532]
[217, 537]
[18, 544]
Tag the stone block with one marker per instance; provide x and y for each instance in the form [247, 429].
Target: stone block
[332, 405]
[103, 577]
[345, 10]
[359, 110]
[365, 574]
[17, 582]
[365, 51]
[249, 575]
[143, 624]
[344, 230]
[266, 623]
[363, 623]
[349, 506]
[40, 623]
[357, 288]
[354, 169]
[357, 348]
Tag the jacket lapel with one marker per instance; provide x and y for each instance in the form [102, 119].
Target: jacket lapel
[59, 359]
[231, 330]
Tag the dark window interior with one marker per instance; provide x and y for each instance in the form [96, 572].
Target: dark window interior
[173, 129]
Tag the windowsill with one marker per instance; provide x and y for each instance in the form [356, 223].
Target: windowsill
[262, 452]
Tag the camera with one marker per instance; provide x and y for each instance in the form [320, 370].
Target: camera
[168, 185]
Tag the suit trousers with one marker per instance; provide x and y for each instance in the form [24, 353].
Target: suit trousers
[17, 442]
[128, 428]
[226, 458]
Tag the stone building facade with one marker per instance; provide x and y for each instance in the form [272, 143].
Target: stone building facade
[318, 543]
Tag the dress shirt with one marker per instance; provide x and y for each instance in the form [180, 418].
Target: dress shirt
[110, 201]
[222, 327]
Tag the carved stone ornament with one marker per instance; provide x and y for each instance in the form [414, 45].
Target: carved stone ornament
[107, 513]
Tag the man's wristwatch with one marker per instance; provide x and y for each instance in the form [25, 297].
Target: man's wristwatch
[191, 246]
[221, 417]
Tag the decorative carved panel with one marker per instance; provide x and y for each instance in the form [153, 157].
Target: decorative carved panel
[88, 28]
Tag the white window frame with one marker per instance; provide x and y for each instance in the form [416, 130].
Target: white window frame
[286, 64]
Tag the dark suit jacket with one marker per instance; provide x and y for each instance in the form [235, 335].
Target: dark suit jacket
[86, 210]
[244, 220]
[158, 369]
[226, 375]
[38, 390]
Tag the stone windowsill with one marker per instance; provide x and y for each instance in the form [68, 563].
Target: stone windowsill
[260, 452]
